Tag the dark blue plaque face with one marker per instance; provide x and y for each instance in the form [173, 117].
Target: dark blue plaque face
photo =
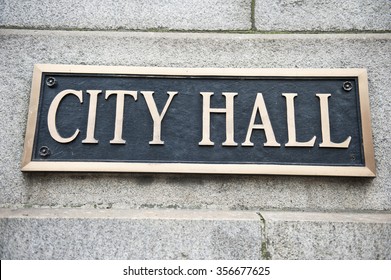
[199, 122]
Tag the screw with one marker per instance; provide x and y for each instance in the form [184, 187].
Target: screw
[347, 86]
[44, 151]
[51, 82]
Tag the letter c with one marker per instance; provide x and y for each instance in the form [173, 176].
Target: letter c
[52, 115]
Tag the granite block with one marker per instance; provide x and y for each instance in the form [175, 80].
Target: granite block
[323, 16]
[128, 234]
[127, 15]
[311, 236]
[181, 191]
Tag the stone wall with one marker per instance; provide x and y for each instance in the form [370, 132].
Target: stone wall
[61, 215]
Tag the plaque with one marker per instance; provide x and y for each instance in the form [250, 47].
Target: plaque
[188, 120]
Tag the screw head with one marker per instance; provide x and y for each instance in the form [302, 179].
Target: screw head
[44, 151]
[347, 86]
[51, 82]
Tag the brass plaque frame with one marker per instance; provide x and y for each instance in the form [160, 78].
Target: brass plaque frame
[368, 170]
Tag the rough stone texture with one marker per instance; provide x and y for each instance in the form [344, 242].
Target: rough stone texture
[290, 235]
[127, 14]
[192, 234]
[120, 234]
[20, 50]
[322, 15]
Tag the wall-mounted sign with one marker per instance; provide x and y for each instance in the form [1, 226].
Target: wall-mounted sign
[239, 121]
